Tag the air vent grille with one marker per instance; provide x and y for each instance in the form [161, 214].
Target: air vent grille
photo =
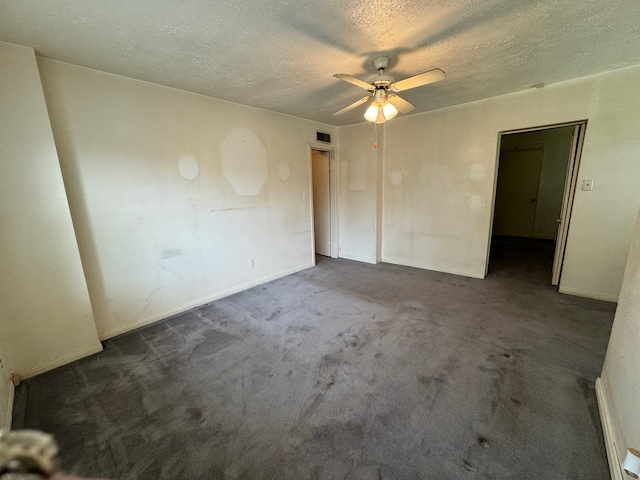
[323, 137]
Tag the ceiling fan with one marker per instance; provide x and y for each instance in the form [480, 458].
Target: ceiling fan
[386, 104]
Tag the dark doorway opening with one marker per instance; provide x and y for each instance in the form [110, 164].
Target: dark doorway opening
[533, 199]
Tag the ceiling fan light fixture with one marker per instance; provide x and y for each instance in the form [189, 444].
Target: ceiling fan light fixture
[372, 113]
[380, 113]
[385, 105]
[389, 111]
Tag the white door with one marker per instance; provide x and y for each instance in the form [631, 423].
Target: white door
[567, 202]
[321, 201]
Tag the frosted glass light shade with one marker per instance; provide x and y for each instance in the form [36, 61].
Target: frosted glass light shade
[389, 111]
[372, 112]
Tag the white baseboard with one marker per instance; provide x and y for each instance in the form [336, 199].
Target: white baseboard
[201, 301]
[58, 362]
[6, 422]
[358, 258]
[405, 263]
[607, 430]
[607, 297]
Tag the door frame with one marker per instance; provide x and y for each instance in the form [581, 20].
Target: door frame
[334, 177]
[571, 179]
[570, 185]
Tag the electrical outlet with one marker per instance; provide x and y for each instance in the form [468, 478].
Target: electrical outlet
[305, 195]
[587, 185]
[252, 263]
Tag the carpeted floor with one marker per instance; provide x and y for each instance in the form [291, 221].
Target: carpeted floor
[345, 371]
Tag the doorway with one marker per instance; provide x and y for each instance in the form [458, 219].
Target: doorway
[536, 175]
[321, 201]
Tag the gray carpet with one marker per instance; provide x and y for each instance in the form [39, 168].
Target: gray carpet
[345, 371]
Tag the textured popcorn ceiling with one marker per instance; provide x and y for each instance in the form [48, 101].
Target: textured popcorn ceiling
[281, 55]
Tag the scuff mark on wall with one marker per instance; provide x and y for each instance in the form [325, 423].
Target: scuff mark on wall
[171, 253]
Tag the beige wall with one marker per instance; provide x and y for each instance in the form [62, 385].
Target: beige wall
[358, 193]
[6, 394]
[620, 380]
[556, 144]
[45, 313]
[440, 166]
[152, 241]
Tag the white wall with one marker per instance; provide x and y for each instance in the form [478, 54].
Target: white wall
[359, 193]
[153, 242]
[45, 313]
[620, 380]
[440, 167]
[556, 149]
[6, 394]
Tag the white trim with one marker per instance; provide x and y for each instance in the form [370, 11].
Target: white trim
[545, 127]
[58, 362]
[607, 297]
[199, 302]
[607, 430]
[312, 218]
[324, 147]
[358, 258]
[396, 261]
[493, 205]
[6, 425]
[571, 181]
[334, 181]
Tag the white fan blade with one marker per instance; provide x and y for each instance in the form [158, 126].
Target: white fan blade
[355, 81]
[353, 105]
[400, 103]
[419, 80]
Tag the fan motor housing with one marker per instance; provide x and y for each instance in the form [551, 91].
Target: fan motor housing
[382, 80]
